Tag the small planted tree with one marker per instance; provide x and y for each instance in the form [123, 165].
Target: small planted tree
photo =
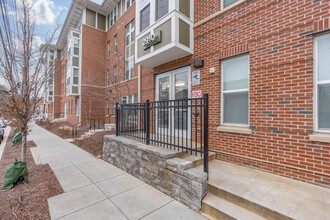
[22, 64]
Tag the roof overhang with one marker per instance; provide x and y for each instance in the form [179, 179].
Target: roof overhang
[75, 13]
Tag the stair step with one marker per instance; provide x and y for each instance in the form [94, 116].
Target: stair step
[243, 203]
[196, 160]
[219, 208]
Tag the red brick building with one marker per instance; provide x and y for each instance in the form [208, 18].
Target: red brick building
[264, 64]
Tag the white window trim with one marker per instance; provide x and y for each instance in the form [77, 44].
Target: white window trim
[316, 97]
[127, 47]
[232, 91]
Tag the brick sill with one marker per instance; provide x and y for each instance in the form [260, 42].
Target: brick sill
[321, 137]
[234, 129]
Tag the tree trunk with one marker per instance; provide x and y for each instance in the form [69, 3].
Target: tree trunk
[23, 152]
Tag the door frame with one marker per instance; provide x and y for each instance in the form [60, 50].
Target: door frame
[171, 75]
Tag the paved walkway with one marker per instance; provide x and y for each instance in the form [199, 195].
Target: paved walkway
[95, 189]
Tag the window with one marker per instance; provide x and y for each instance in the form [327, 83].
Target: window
[51, 56]
[116, 44]
[132, 99]
[76, 46]
[161, 8]
[75, 76]
[108, 107]
[77, 106]
[113, 17]
[108, 45]
[145, 17]
[226, 3]
[124, 99]
[50, 90]
[108, 78]
[235, 91]
[129, 3]
[322, 81]
[114, 102]
[115, 74]
[129, 51]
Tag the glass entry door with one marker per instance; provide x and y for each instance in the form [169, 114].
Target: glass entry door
[172, 116]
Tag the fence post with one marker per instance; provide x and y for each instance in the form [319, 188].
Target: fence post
[147, 122]
[117, 120]
[206, 134]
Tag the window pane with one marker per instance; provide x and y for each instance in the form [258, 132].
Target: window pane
[76, 51]
[75, 61]
[76, 72]
[75, 80]
[162, 8]
[236, 108]
[228, 2]
[145, 17]
[323, 54]
[236, 73]
[324, 106]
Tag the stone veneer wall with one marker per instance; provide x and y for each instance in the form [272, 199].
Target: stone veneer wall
[159, 168]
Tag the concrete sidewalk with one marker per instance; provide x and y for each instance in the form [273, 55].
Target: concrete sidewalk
[94, 189]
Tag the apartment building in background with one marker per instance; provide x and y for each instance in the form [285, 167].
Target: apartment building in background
[264, 65]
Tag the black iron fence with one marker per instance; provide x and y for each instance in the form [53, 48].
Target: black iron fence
[180, 125]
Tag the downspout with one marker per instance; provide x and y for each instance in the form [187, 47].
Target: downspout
[139, 83]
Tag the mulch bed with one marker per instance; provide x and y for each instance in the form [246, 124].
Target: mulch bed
[27, 201]
[94, 143]
[61, 129]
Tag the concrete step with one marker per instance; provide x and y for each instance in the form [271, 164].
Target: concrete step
[110, 127]
[216, 191]
[219, 208]
[196, 160]
[267, 195]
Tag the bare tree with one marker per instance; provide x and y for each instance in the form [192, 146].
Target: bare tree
[22, 64]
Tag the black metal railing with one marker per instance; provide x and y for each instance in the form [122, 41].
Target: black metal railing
[88, 123]
[180, 125]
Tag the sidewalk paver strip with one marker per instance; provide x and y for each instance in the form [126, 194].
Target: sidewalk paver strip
[75, 200]
[74, 182]
[141, 201]
[103, 173]
[117, 185]
[103, 210]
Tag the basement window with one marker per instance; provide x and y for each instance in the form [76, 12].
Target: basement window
[226, 3]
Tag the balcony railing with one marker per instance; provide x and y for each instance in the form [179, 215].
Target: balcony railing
[180, 125]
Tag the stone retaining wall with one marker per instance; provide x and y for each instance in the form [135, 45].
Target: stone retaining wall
[159, 168]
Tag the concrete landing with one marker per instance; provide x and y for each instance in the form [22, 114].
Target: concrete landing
[268, 195]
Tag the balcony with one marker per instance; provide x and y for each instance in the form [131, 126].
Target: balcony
[167, 38]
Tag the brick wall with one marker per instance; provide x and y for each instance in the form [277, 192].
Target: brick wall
[275, 33]
[92, 73]
[122, 87]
